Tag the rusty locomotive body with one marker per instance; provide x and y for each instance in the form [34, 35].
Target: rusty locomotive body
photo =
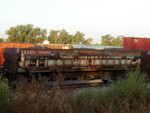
[74, 63]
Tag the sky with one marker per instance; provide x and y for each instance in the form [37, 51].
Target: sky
[94, 18]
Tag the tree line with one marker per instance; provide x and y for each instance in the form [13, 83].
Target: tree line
[30, 34]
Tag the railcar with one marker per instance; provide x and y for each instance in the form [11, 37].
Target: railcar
[26, 45]
[4, 45]
[80, 64]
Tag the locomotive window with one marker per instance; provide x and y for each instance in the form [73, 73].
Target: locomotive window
[41, 62]
[33, 62]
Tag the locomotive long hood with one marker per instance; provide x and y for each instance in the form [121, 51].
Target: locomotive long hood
[47, 60]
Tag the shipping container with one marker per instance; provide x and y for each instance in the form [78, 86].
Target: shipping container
[26, 45]
[133, 43]
[15, 45]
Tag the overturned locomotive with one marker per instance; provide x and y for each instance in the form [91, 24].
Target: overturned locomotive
[80, 64]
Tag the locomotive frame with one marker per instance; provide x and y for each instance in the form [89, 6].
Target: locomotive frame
[80, 64]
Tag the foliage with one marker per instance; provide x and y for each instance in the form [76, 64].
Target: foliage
[109, 40]
[5, 94]
[88, 41]
[78, 38]
[26, 33]
[130, 95]
[125, 93]
[53, 37]
[133, 88]
[63, 37]
[1, 39]
[29, 34]
[58, 36]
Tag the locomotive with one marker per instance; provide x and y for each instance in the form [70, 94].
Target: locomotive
[74, 61]
[79, 64]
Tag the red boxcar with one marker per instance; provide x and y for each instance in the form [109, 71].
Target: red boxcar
[132, 43]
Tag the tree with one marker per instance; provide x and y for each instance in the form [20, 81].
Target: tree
[26, 33]
[88, 41]
[118, 41]
[109, 40]
[1, 39]
[58, 36]
[78, 37]
[53, 37]
[63, 37]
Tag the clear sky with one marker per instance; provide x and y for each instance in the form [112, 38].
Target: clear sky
[94, 18]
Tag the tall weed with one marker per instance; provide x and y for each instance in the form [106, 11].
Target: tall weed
[125, 96]
[133, 88]
[37, 97]
[5, 94]
[125, 93]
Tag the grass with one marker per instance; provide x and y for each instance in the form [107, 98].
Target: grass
[129, 95]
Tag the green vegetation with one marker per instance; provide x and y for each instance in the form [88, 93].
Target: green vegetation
[62, 37]
[122, 94]
[30, 34]
[1, 39]
[109, 40]
[26, 33]
[5, 94]
[129, 95]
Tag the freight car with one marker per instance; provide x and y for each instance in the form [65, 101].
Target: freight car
[73, 64]
[26, 45]
[15, 45]
[4, 45]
